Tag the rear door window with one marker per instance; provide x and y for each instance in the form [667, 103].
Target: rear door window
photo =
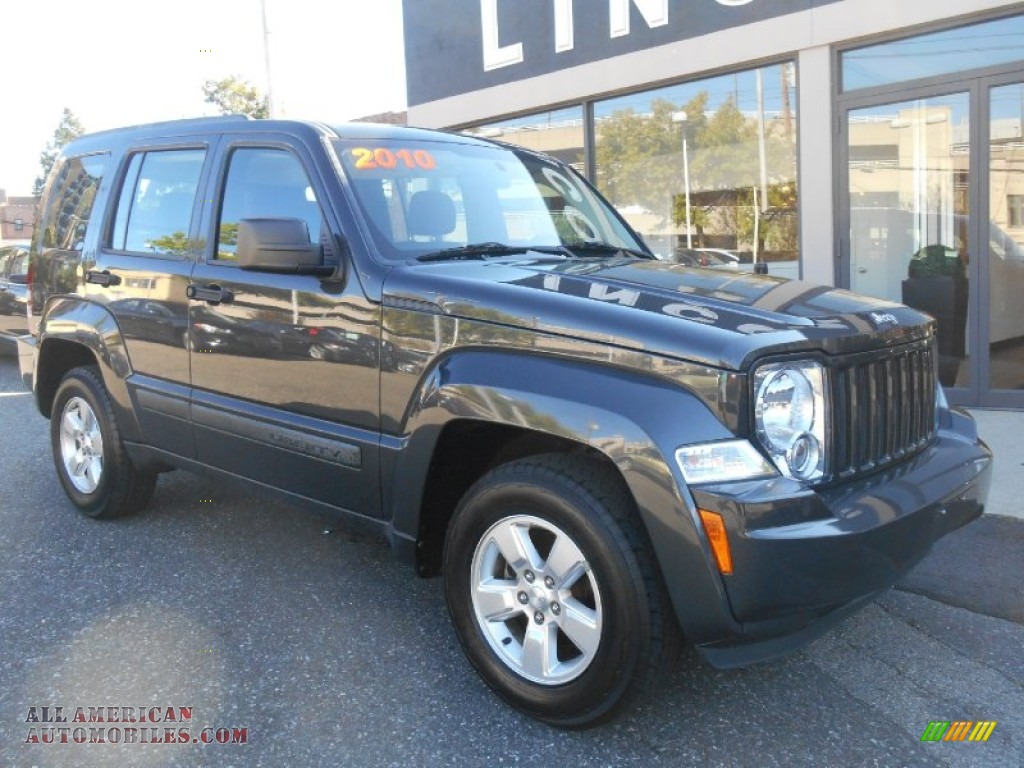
[154, 211]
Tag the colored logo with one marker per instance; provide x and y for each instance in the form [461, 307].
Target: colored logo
[958, 730]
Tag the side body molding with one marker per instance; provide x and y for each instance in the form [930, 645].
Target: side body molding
[636, 421]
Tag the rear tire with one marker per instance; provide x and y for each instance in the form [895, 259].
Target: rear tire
[88, 453]
[554, 592]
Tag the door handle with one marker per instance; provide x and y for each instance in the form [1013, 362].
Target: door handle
[211, 294]
[104, 278]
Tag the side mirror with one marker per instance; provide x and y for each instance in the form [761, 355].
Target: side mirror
[279, 245]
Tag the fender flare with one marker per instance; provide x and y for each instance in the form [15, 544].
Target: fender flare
[76, 320]
[634, 419]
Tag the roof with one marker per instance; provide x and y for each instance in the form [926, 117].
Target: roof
[96, 142]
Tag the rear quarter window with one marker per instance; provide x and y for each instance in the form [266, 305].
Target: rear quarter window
[70, 202]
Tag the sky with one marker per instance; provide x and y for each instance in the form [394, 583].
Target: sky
[116, 63]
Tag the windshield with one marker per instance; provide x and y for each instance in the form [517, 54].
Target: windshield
[422, 198]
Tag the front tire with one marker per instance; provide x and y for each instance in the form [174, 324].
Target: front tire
[554, 592]
[88, 453]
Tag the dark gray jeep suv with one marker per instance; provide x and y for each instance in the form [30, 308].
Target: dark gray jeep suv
[460, 345]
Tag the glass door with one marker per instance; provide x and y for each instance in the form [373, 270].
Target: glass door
[931, 203]
[1004, 203]
[908, 179]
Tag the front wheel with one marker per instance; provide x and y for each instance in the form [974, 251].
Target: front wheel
[554, 592]
[90, 458]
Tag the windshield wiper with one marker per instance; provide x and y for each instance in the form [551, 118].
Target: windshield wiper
[493, 248]
[599, 247]
[473, 251]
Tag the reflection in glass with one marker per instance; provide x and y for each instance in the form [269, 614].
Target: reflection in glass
[737, 189]
[558, 133]
[155, 209]
[430, 199]
[909, 169]
[265, 183]
[938, 53]
[71, 199]
[1006, 237]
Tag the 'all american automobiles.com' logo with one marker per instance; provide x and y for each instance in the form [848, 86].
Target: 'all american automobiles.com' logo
[124, 725]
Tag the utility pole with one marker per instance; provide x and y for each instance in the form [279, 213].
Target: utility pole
[266, 58]
[681, 118]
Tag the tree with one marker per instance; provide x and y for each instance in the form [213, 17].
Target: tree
[234, 96]
[639, 164]
[68, 129]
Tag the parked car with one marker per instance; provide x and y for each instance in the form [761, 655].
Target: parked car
[702, 257]
[600, 452]
[726, 257]
[338, 345]
[13, 295]
[138, 318]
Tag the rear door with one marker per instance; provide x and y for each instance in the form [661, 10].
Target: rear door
[141, 273]
[285, 368]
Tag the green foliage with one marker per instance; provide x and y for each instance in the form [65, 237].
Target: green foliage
[936, 261]
[637, 155]
[234, 96]
[176, 244]
[639, 159]
[68, 129]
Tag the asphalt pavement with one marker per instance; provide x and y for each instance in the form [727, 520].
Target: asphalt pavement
[328, 652]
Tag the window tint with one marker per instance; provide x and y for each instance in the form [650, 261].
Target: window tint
[71, 200]
[154, 212]
[265, 183]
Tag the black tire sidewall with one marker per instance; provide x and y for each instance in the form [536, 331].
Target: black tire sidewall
[625, 614]
[78, 385]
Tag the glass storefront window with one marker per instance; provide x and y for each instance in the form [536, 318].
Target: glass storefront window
[940, 53]
[558, 133]
[706, 171]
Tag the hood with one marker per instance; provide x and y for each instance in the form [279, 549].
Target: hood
[721, 318]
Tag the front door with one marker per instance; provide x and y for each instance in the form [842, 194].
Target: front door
[285, 368]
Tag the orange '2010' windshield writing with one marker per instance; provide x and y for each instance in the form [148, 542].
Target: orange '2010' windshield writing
[367, 159]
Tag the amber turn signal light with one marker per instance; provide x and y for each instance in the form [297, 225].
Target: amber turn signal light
[714, 526]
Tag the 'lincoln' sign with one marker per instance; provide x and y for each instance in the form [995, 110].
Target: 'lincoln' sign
[454, 47]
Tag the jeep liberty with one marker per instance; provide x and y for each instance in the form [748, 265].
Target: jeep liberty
[460, 345]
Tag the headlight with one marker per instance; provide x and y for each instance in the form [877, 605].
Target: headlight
[722, 462]
[790, 414]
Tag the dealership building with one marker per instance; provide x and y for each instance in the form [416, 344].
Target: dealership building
[871, 144]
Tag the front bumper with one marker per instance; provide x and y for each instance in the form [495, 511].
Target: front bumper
[803, 559]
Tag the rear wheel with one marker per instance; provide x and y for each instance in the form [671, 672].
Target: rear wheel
[554, 592]
[90, 458]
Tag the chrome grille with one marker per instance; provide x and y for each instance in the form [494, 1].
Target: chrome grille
[883, 407]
